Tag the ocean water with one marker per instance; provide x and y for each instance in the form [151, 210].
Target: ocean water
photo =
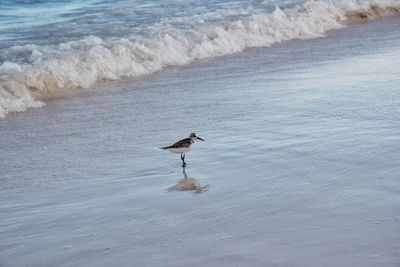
[51, 46]
[299, 106]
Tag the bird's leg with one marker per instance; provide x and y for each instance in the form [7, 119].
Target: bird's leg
[183, 160]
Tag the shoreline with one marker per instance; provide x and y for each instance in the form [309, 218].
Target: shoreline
[67, 68]
[376, 12]
[301, 159]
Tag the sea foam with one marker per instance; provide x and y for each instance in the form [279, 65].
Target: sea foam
[34, 70]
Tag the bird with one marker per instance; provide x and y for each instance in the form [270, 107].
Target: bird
[183, 146]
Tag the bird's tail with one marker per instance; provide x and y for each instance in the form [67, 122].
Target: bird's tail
[164, 147]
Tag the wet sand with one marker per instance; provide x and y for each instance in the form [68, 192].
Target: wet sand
[376, 11]
[300, 159]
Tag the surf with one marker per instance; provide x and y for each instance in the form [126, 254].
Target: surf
[29, 72]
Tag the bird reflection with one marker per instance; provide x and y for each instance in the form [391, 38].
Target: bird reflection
[188, 184]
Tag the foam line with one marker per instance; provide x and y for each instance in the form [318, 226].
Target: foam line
[82, 63]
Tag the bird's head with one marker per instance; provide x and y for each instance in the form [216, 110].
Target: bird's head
[193, 136]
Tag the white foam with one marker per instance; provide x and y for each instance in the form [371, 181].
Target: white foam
[80, 64]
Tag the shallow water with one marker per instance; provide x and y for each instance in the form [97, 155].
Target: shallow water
[300, 159]
[78, 45]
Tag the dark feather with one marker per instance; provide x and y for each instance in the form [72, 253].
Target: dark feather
[187, 142]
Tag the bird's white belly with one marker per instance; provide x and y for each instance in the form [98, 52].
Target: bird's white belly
[180, 150]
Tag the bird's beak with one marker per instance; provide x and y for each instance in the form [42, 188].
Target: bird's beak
[200, 138]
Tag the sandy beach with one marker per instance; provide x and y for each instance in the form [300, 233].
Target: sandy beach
[300, 164]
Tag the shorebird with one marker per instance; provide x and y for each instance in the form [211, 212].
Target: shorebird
[183, 146]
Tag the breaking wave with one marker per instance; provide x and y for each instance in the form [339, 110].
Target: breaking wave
[32, 70]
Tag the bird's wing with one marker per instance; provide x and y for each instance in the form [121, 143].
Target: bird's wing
[187, 142]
